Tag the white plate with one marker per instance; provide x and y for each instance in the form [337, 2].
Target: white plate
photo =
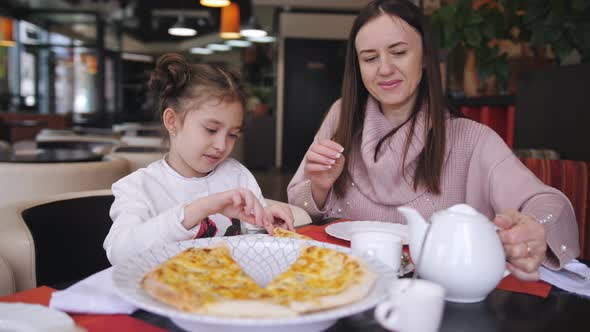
[343, 230]
[24, 317]
[262, 257]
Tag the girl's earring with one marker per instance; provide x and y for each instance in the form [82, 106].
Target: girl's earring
[173, 133]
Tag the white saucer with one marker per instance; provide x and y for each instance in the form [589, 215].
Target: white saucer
[344, 230]
[24, 317]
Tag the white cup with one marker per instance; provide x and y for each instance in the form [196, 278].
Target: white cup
[413, 305]
[386, 247]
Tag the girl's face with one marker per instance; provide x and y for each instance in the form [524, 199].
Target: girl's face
[206, 137]
[390, 57]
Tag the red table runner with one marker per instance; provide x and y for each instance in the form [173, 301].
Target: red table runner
[92, 323]
[510, 283]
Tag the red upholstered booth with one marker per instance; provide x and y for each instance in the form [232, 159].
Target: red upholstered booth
[571, 177]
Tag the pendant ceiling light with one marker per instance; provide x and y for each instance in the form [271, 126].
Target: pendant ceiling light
[181, 29]
[253, 29]
[230, 22]
[239, 43]
[6, 32]
[214, 3]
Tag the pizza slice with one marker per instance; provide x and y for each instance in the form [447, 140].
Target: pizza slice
[281, 232]
[322, 278]
[210, 281]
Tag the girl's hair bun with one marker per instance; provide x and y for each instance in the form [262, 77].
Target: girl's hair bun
[171, 75]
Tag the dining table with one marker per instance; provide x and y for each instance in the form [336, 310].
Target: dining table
[513, 306]
[49, 155]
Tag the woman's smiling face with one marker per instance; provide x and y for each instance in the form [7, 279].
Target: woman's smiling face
[390, 56]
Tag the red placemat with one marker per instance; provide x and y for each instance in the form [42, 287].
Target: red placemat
[92, 323]
[510, 283]
[318, 233]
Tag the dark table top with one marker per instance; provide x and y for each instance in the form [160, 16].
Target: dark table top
[501, 311]
[24, 123]
[49, 156]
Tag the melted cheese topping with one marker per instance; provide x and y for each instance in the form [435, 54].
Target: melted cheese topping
[280, 232]
[317, 272]
[208, 275]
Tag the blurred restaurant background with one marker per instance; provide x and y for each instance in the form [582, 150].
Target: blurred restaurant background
[73, 74]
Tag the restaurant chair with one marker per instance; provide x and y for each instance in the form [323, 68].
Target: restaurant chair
[139, 156]
[22, 181]
[6, 278]
[571, 178]
[5, 146]
[56, 240]
[300, 217]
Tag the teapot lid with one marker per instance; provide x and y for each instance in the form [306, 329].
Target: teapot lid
[462, 211]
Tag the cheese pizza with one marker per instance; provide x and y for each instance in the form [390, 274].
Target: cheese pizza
[281, 232]
[322, 278]
[209, 281]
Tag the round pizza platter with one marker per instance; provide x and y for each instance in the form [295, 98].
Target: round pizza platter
[262, 257]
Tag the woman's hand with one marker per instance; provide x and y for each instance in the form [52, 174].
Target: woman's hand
[236, 203]
[324, 163]
[280, 216]
[524, 242]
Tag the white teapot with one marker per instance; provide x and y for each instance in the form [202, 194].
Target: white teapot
[462, 251]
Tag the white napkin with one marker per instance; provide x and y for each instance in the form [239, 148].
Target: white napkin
[93, 295]
[568, 282]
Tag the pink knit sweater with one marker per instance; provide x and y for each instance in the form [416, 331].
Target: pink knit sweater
[479, 169]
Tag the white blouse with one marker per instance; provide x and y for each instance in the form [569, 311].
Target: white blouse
[149, 205]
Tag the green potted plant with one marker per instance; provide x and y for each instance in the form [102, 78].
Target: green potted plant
[563, 25]
[467, 35]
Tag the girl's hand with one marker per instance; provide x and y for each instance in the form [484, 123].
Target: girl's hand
[324, 163]
[243, 205]
[524, 242]
[236, 203]
[280, 216]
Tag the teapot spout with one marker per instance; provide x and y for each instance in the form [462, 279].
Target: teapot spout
[417, 226]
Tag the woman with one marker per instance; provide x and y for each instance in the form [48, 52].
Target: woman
[400, 145]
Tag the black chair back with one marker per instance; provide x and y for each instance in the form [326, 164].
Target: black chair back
[68, 237]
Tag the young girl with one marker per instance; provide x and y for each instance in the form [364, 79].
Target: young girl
[194, 191]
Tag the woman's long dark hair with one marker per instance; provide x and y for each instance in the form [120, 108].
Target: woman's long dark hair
[354, 97]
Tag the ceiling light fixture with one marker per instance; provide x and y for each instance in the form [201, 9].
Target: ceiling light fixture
[181, 29]
[253, 29]
[214, 3]
[263, 40]
[201, 51]
[219, 47]
[230, 22]
[239, 43]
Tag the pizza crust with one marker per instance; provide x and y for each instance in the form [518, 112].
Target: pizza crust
[248, 309]
[280, 232]
[166, 294]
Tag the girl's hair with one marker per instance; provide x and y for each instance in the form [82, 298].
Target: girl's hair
[355, 95]
[183, 86]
